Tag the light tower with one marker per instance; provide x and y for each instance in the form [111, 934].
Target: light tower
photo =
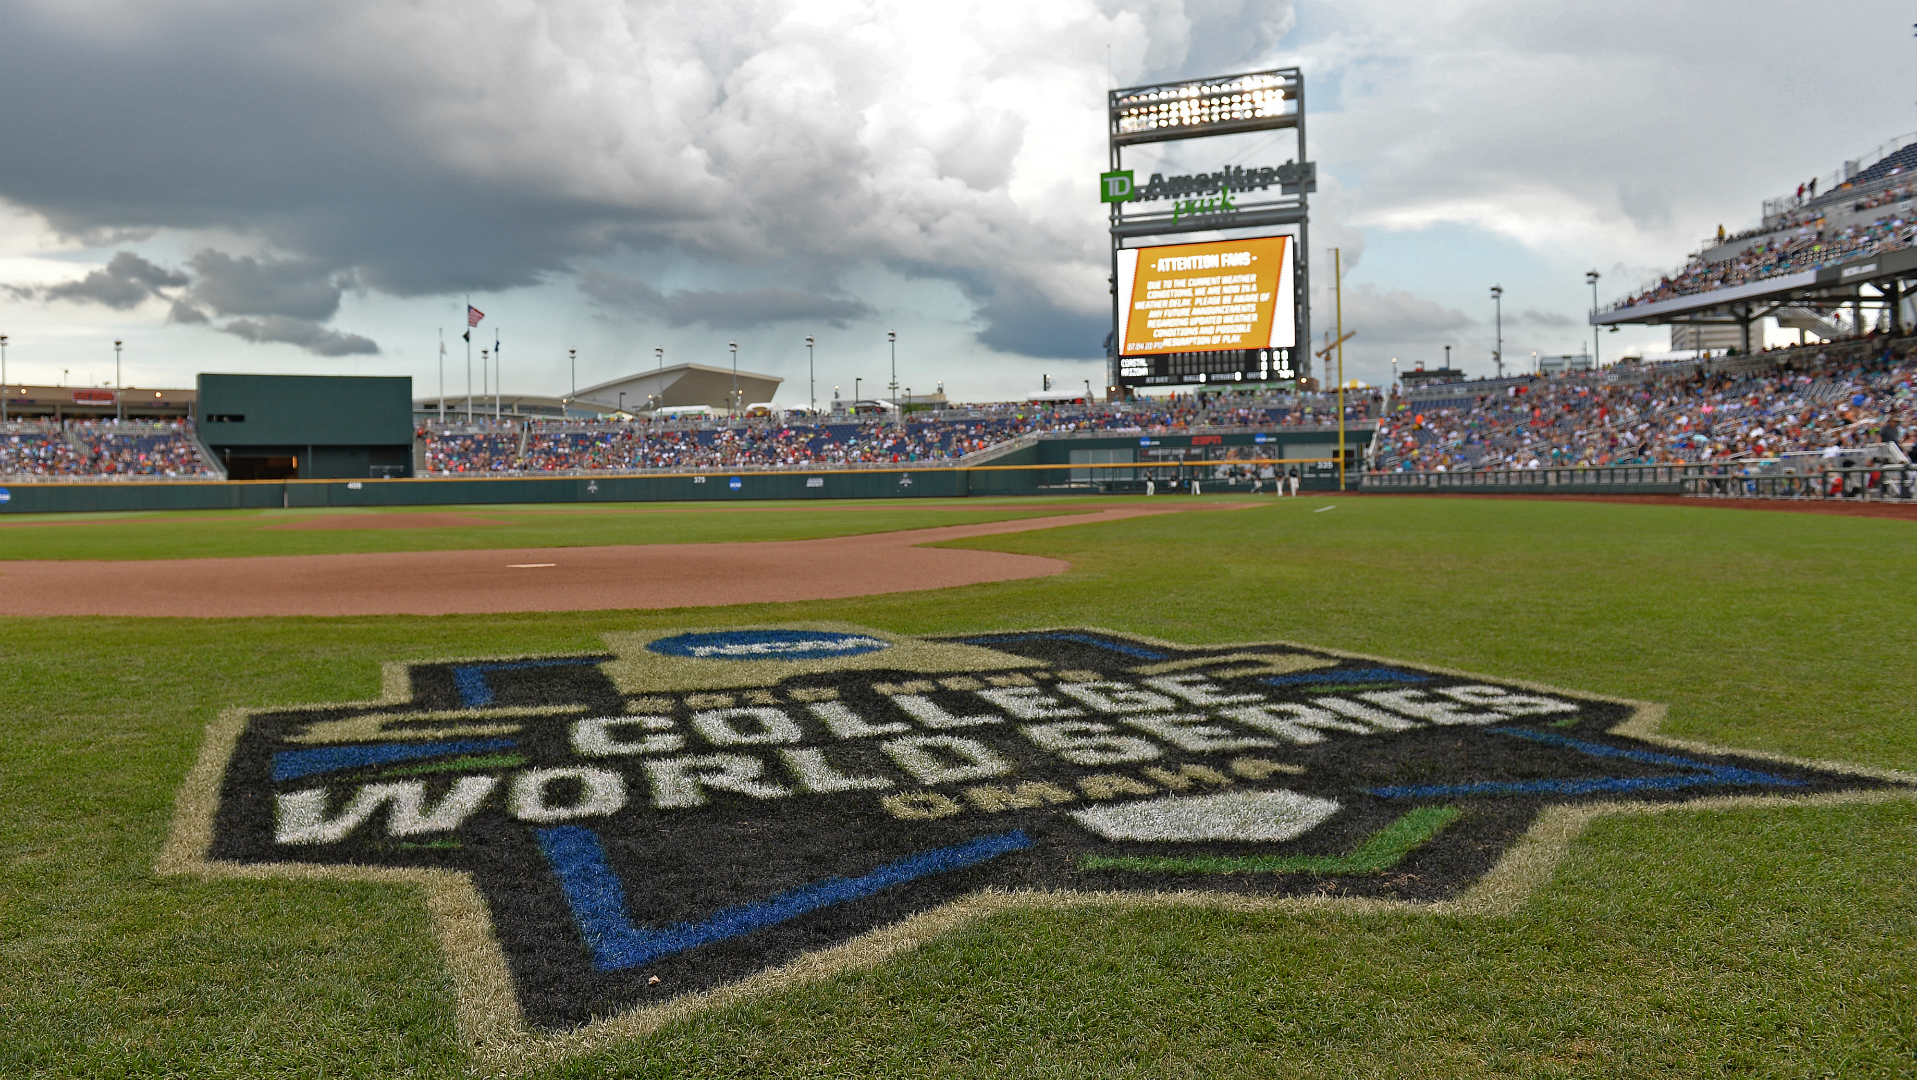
[893, 378]
[1593, 279]
[1498, 366]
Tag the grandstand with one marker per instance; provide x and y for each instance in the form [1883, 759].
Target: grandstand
[103, 450]
[1828, 261]
[1855, 396]
[934, 437]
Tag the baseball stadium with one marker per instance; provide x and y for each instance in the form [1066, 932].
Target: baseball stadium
[1228, 717]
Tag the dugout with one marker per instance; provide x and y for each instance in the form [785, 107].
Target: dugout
[308, 427]
[1122, 464]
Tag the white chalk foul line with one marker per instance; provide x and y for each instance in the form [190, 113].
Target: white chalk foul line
[1323, 509]
[529, 565]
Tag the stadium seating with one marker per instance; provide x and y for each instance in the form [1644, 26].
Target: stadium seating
[1810, 247]
[102, 449]
[1809, 398]
[470, 448]
[38, 449]
[1804, 232]
[948, 435]
[1901, 160]
[141, 449]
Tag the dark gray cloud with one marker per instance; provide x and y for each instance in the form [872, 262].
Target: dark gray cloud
[285, 123]
[721, 309]
[310, 336]
[291, 298]
[760, 307]
[350, 140]
[298, 288]
[347, 138]
[123, 284]
[1025, 324]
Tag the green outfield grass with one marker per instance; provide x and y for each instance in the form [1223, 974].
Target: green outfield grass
[199, 534]
[1772, 942]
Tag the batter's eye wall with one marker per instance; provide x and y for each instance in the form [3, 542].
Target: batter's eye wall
[308, 426]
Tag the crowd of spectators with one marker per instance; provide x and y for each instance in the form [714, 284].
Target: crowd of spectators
[1809, 398]
[1817, 216]
[102, 448]
[38, 450]
[619, 446]
[491, 448]
[140, 449]
[1809, 247]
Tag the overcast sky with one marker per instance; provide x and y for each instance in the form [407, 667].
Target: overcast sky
[316, 188]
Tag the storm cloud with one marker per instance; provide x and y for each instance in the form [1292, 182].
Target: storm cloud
[722, 309]
[298, 289]
[310, 336]
[291, 298]
[925, 163]
[731, 134]
[124, 283]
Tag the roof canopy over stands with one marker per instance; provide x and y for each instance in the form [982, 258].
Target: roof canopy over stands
[1813, 253]
[682, 384]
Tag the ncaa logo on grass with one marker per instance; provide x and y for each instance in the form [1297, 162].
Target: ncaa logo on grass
[608, 840]
[767, 644]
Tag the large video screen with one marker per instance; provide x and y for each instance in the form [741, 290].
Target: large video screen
[1215, 296]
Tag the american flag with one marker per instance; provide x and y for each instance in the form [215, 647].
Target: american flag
[474, 315]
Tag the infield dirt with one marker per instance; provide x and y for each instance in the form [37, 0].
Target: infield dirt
[536, 579]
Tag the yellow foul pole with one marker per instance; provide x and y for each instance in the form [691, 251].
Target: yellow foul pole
[1340, 377]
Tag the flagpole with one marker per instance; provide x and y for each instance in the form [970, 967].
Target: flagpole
[443, 375]
[496, 373]
[468, 337]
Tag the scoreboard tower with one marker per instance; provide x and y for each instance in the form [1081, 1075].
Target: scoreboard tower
[1232, 309]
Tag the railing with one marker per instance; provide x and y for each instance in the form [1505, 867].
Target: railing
[109, 478]
[109, 426]
[214, 465]
[1831, 181]
[1741, 480]
[1892, 483]
[1546, 478]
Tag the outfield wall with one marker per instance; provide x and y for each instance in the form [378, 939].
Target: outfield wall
[242, 494]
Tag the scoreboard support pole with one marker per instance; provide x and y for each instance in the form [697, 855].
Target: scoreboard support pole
[1340, 372]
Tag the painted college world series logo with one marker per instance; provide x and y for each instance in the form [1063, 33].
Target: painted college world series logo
[684, 812]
